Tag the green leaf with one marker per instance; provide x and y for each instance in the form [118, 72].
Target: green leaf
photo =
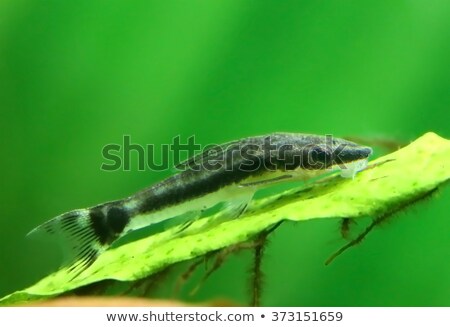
[390, 182]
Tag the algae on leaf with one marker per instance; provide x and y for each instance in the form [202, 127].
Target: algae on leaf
[390, 182]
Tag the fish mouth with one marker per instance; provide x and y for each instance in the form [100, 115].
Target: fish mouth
[349, 154]
[350, 169]
[351, 159]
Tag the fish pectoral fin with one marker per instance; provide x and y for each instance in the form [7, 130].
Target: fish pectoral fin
[185, 220]
[258, 182]
[234, 210]
[236, 207]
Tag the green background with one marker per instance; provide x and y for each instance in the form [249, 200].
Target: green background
[77, 75]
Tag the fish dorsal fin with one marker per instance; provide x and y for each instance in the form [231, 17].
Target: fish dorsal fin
[209, 153]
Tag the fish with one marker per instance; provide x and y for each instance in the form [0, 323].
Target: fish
[228, 174]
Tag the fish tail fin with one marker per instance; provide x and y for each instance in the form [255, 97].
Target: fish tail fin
[76, 232]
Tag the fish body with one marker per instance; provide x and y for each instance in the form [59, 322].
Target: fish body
[229, 173]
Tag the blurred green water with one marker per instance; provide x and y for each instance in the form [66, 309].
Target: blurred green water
[75, 76]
